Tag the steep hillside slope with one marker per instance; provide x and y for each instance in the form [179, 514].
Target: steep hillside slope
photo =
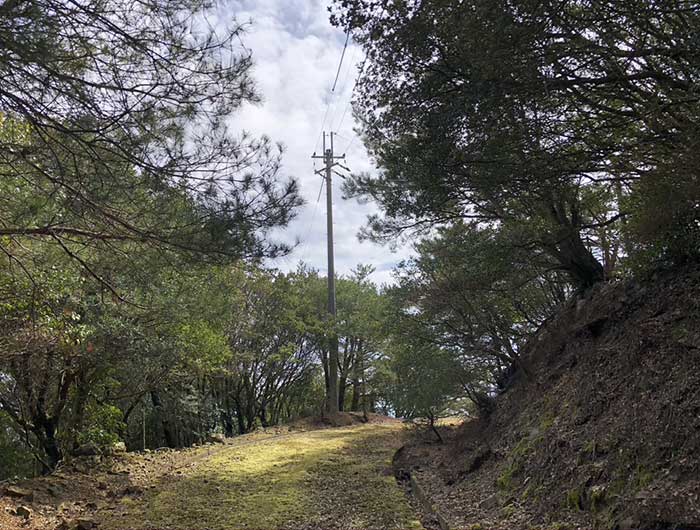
[604, 432]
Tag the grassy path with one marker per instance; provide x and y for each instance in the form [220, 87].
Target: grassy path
[327, 479]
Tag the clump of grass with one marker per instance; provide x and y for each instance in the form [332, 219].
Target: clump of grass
[505, 480]
[574, 499]
[643, 477]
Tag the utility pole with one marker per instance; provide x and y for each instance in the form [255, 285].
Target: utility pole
[329, 160]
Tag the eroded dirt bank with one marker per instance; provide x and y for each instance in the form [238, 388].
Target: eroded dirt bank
[604, 433]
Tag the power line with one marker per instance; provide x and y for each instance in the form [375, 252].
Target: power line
[332, 93]
[342, 56]
[323, 124]
[341, 91]
[354, 86]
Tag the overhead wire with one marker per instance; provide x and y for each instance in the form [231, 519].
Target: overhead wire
[347, 107]
[342, 56]
[354, 86]
[342, 119]
[329, 103]
[332, 92]
[342, 89]
[303, 242]
[352, 92]
[318, 138]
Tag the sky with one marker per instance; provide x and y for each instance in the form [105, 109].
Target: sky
[296, 52]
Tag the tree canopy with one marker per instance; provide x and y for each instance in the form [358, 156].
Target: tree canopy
[115, 125]
[553, 117]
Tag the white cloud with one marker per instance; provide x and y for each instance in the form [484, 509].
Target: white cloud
[296, 52]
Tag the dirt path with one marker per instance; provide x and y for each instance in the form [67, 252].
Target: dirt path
[332, 478]
[337, 478]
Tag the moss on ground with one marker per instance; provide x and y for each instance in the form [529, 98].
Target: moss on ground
[321, 479]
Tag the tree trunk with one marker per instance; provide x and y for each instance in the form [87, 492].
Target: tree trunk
[227, 422]
[45, 432]
[579, 262]
[170, 439]
[240, 418]
[342, 385]
[372, 403]
[79, 408]
[263, 417]
[357, 376]
[569, 249]
[355, 403]
[332, 398]
[433, 427]
[324, 364]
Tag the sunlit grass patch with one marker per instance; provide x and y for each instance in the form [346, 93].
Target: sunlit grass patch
[326, 478]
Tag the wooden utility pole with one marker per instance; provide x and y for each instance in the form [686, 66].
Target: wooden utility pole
[329, 160]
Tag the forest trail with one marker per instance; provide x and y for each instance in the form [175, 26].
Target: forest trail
[329, 478]
[275, 479]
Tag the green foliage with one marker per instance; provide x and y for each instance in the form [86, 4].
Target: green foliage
[102, 425]
[426, 379]
[124, 199]
[273, 340]
[113, 125]
[574, 499]
[516, 459]
[597, 498]
[468, 295]
[504, 481]
[17, 460]
[577, 124]
[642, 477]
[666, 226]
[518, 455]
[132, 300]
[195, 349]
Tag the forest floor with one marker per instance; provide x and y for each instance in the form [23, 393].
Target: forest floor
[331, 478]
